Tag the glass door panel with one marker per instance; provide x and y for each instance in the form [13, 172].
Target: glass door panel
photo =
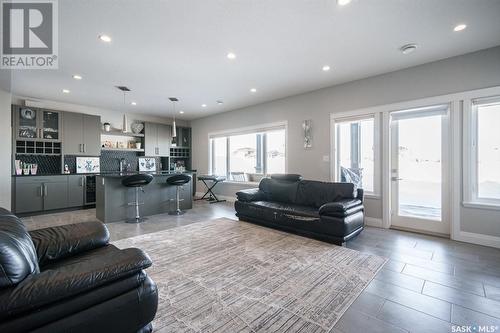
[50, 125]
[418, 154]
[27, 120]
[419, 168]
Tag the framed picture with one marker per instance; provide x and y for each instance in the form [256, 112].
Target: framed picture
[88, 164]
[147, 164]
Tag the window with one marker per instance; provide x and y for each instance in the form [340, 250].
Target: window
[355, 151]
[249, 156]
[484, 149]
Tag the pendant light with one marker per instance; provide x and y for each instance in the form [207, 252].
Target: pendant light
[174, 127]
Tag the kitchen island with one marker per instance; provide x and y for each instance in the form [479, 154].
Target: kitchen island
[112, 198]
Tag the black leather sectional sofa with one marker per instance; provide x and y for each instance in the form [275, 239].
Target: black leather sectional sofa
[70, 279]
[331, 212]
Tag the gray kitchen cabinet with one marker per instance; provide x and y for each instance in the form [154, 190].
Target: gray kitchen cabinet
[81, 134]
[91, 135]
[73, 133]
[164, 140]
[55, 194]
[150, 139]
[183, 137]
[36, 124]
[76, 190]
[39, 193]
[157, 139]
[29, 197]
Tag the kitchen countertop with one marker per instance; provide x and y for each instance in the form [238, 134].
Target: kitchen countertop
[106, 174]
[156, 174]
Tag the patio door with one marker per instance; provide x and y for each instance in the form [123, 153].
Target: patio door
[419, 169]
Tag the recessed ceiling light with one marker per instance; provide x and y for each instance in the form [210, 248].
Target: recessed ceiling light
[326, 68]
[460, 27]
[231, 56]
[77, 77]
[408, 48]
[105, 38]
[181, 112]
[343, 2]
[203, 105]
[253, 90]
[66, 91]
[133, 103]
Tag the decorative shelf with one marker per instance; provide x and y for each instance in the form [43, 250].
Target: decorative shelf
[38, 148]
[179, 152]
[118, 133]
[122, 149]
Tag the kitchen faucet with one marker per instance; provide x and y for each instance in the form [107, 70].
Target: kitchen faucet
[122, 165]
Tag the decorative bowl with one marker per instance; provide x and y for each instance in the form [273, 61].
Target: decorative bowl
[137, 128]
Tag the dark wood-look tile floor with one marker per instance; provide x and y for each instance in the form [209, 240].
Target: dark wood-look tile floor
[428, 284]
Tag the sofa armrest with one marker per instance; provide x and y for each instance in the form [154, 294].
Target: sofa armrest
[340, 207]
[253, 194]
[54, 285]
[360, 194]
[60, 242]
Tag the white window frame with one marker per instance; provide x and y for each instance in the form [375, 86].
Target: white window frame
[470, 154]
[281, 125]
[353, 116]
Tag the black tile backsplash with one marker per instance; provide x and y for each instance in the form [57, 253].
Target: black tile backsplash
[110, 161]
[46, 164]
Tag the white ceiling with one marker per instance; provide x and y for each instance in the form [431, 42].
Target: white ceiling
[178, 48]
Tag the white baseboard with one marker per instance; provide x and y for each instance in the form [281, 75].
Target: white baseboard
[373, 222]
[479, 239]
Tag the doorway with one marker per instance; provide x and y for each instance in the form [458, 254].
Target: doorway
[419, 169]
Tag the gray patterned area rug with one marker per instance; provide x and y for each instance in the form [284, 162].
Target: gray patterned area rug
[230, 276]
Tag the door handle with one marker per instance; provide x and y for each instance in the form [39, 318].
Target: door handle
[395, 179]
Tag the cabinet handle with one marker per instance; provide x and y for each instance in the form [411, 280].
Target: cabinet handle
[40, 192]
[84, 148]
[45, 194]
[81, 181]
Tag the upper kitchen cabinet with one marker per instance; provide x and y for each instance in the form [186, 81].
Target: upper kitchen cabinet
[157, 139]
[36, 124]
[183, 137]
[81, 134]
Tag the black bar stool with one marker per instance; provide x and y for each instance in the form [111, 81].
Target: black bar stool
[178, 181]
[137, 181]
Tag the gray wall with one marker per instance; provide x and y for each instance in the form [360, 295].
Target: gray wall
[471, 71]
[5, 149]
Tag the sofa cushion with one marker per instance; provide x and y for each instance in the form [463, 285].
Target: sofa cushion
[341, 208]
[279, 190]
[290, 177]
[316, 193]
[56, 243]
[17, 253]
[286, 208]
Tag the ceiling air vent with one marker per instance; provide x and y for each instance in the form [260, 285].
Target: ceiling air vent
[123, 88]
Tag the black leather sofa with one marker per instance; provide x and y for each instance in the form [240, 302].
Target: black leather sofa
[70, 279]
[331, 212]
